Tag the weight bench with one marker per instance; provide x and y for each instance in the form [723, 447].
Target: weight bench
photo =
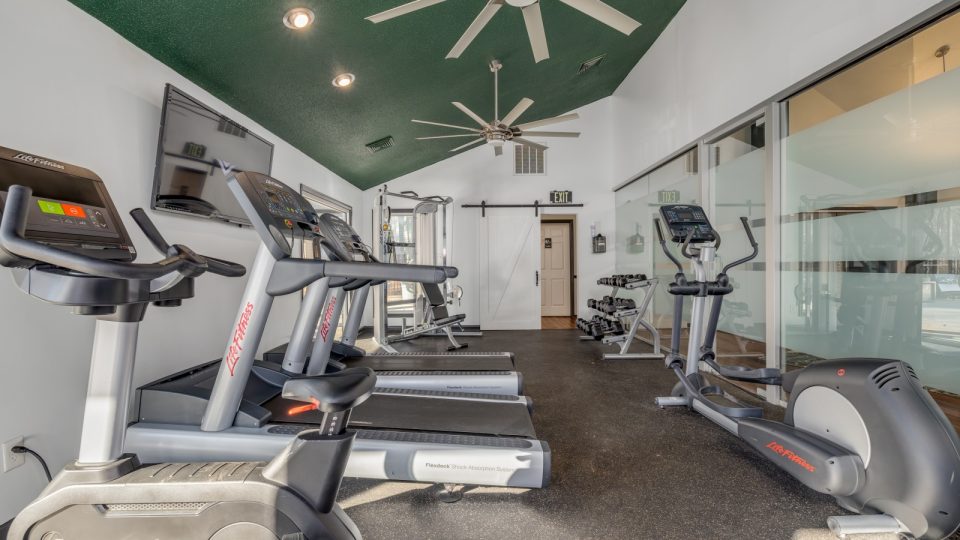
[437, 319]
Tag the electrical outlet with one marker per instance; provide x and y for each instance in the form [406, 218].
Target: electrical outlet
[10, 460]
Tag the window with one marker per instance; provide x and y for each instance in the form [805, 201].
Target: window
[529, 159]
[870, 210]
[400, 247]
[737, 180]
[638, 203]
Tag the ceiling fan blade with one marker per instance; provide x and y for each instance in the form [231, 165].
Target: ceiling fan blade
[469, 144]
[471, 114]
[446, 136]
[538, 36]
[402, 10]
[475, 27]
[568, 134]
[517, 111]
[605, 14]
[498, 150]
[529, 143]
[548, 121]
[445, 125]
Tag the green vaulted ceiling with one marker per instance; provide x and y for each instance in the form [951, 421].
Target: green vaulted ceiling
[240, 51]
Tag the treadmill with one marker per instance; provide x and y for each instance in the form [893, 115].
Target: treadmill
[483, 373]
[347, 353]
[226, 410]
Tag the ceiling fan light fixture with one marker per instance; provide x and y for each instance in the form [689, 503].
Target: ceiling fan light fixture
[344, 80]
[298, 18]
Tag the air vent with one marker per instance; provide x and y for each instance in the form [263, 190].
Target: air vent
[886, 375]
[380, 144]
[529, 159]
[911, 372]
[590, 64]
[231, 128]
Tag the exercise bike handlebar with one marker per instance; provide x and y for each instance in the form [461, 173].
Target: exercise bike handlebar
[214, 265]
[13, 226]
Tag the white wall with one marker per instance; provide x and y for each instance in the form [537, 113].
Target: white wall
[717, 59]
[581, 165]
[74, 91]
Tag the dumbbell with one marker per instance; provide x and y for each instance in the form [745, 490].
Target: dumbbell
[595, 330]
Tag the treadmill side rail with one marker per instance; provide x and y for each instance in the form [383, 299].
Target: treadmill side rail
[378, 455]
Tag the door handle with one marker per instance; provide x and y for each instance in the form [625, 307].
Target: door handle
[537, 279]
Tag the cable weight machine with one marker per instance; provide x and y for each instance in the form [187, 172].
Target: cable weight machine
[427, 242]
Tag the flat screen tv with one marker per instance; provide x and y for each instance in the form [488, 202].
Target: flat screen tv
[197, 147]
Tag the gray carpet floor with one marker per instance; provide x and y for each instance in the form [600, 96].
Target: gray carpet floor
[622, 468]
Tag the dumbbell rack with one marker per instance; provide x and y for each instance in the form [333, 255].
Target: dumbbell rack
[623, 315]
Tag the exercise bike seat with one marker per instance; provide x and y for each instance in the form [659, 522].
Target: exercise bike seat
[333, 392]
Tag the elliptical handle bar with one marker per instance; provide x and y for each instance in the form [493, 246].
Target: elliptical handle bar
[214, 265]
[13, 227]
[753, 243]
[666, 250]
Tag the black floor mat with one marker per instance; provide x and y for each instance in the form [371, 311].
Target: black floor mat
[622, 468]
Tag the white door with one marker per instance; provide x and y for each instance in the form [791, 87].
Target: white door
[555, 271]
[510, 269]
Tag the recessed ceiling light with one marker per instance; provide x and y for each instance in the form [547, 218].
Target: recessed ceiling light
[344, 80]
[298, 18]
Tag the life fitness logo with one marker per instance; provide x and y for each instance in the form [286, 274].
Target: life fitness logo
[39, 161]
[790, 455]
[325, 327]
[236, 346]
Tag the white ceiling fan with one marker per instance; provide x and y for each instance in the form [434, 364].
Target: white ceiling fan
[531, 17]
[501, 130]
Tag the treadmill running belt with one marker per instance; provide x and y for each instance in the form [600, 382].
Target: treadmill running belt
[388, 362]
[418, 361]
[400, 412]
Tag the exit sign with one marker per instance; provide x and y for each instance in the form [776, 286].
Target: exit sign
[561, 197]
[669, 196]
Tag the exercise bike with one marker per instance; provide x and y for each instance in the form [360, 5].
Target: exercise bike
[86, 263]
[863, 430]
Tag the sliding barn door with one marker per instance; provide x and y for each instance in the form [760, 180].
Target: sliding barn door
[510, 269]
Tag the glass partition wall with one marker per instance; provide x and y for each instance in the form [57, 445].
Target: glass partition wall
[852, 186]
[736, 179]
[637, 250]
[870, 216]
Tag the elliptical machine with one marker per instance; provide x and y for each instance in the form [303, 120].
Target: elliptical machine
[85, 261]
[863, 430]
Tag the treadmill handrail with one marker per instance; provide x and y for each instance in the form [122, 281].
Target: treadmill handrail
[290, 275]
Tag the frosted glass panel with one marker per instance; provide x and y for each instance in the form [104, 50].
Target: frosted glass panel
[637, 248]
[871, 233]
[737, 176]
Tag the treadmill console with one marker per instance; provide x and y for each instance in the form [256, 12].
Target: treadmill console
[278, 213]
[70, 206]
[687, 220]
[341, 241]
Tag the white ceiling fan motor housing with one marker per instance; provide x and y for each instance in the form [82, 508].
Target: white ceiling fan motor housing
[521, 3]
